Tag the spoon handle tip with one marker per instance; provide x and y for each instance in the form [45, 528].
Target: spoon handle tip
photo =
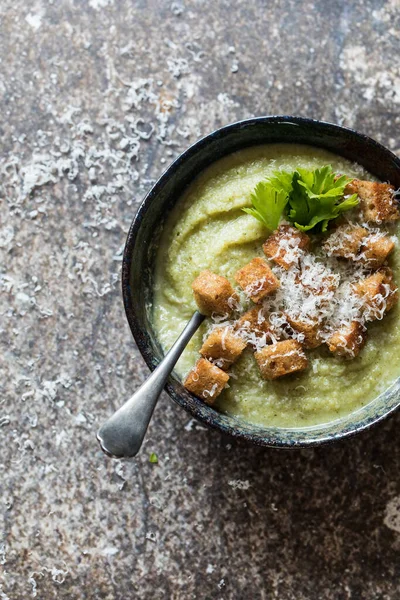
[122, 435]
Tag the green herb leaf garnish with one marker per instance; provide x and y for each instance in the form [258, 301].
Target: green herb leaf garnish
[153, 458]
[268, 203]
[308, 199]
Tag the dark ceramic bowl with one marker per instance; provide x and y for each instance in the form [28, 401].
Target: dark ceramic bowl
[141, 247]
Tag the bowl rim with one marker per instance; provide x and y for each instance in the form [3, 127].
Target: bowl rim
[209, 419]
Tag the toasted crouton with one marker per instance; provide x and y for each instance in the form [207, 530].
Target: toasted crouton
[206, 380]
[254, 327]
[214, 294]
[256, 279]
[378, 293]
[284, 244]
[309, 329]
[254, 319]
[222, 347]
[377, 201]
[345, 241]
[281, 359]
[348, 340]
[375, 250]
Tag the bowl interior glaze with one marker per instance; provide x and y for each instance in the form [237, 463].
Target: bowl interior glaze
[141, 247]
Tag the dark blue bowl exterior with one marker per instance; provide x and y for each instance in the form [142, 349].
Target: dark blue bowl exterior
[141, 248]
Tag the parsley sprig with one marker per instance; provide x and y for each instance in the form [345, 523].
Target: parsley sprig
[308, 199]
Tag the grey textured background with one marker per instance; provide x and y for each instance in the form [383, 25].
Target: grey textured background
[97, 97]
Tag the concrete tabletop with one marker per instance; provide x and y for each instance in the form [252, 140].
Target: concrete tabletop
[97, 98]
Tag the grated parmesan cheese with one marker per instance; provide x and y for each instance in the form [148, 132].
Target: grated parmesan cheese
[315, 289]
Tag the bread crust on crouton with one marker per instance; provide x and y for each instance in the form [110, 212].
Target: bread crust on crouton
[310, 329]
[378, 293]
[214, 294]
[222, 347]
[257, 280]
[284, 244]
[206, 381]
[348, 340]
[345, 241]
[255, 328]
[377, 201]
[282, 358]
[254, 319]
[375, 250]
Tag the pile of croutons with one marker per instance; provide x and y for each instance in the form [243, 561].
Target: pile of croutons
[277, 333]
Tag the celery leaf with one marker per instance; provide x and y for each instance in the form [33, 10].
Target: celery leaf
[268, 204]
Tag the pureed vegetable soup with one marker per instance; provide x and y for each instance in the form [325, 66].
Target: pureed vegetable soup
[209, 230]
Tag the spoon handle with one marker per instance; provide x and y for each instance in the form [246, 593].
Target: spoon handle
[122, 435]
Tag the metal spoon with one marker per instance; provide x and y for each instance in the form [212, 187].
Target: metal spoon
[122, 435]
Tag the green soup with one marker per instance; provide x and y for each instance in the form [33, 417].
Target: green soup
[208, 230]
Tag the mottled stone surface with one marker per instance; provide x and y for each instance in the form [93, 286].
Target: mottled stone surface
[97, 97]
